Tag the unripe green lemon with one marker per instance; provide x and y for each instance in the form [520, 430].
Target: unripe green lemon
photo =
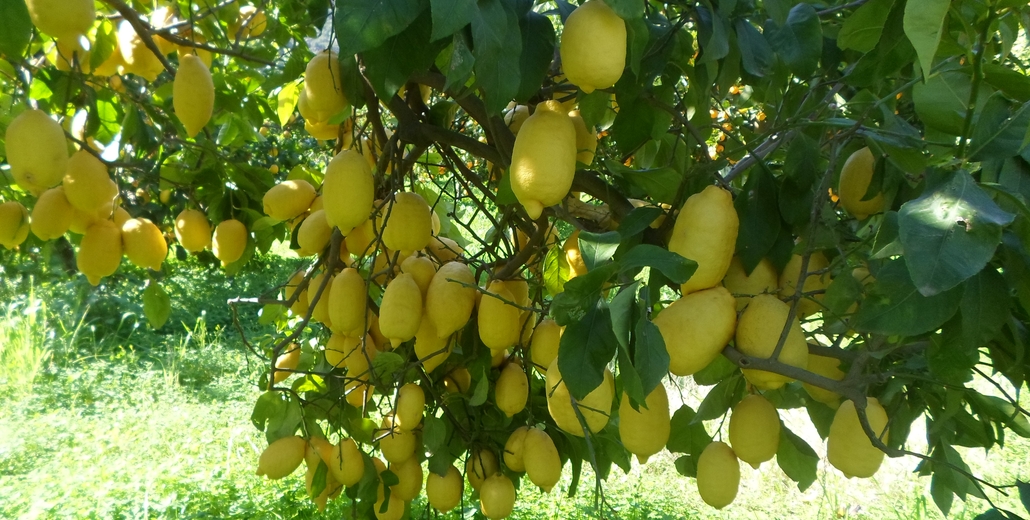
[192, 230]
[229, 241]
[288, 199]
[401, 310]
[696, 328]
[406, 223]
[411, 404]
[855, 177]
[282, 457]
[348, 303]
[827, 367]
[52, 214]
[36, 149]
[848, 447]
[512, 390]
[758, 332]
[193, 94]
[497, 497]
[706, 232]
[718, 475]
[808, 305]
[514, 448]
[444, 492]
[144, 243]
[543, 161]
[87, 183]
[540, 457]
[593, 46]
[543, 347]
[645, 431]
[348, 191]
[595, 407]
[409, 478]
[754, 430]
[100, 251]
[450, 298]
[498, 321]
[762, 280]
[479, 465]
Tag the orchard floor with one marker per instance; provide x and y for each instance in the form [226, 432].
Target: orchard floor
[103, 418]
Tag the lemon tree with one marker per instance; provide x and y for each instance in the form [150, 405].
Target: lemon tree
[520, 219]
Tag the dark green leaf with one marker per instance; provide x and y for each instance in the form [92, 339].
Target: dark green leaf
[587, 346]
[630, 379]
[434, 433]
[720, 398]
[799, 41]
[755, 55]
[759, 215]
[597, 248]
[318, 480]
[712, 34]
[894, 306]
[627, 9]
[924, 20]
[687, 435]
[386, 364]
[1013, 83]
[796, 458]
[638, 219]
[497, 47]
[948, 359]
[862, 29]
[157, 305]
[638, 32]
[580, 295]
[17, 29]
[621, 310]
[716, 371]
[1024, 493]
[388, 66]
[998, 132]
[985, 307]
[633, 124]
[941, 493]
[482, 389]
[594, 107]
[950, 233]
[460, 64]
[940, 101]
[650, 358]
[886, 243]
[537, 53]
[450, 15]
[842, 293]
[674, 266]
[660, 183]
[365, 24]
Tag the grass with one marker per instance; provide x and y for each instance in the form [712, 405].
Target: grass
[104, 418]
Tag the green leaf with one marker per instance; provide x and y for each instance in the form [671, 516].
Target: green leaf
[661, 184]
[630, 379]
[940, 101]
[862, 29]
[941, 493]
[998, 132]
[924, 20]
[720, 398]
[386, 364]
[537, 53]
[650, 357]
[450, 15]
[796, 458]
[482, 389]
[580, 295]
[673, 265]
[894, 306]
[1014, 84]
[286, 101]
[365, 24]
[434, 433]
[627, 9]
[948, 359]
[497, 47]
[17, 29]
[621, 310]
[755, 55]
[505, 195]
[1024, 493]
[716, 371]
[949, 233]
[799, 42]
[985, 308]
[157, 305]
[886, 243]
[711, 34]
[759, 215]
[587, 346]
[556, 271]
[388, 66]
[687, 436]
[598, 248]
[460, 64]
[638, 219]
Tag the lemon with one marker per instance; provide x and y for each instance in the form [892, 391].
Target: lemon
[514, 448]
[577, 267]
[450, 298]
[855, 177]
[14, 224]
[593, 46]
[512, 390]
[696, 327]
[81, 221]
[286, 362]
[360, 241]
[497, 497]
[540, 456]
[120, 216]
[109, 68]
[718, 475]
[848, 447]
[321, 301]
[159, 19]
[645, 431]
[394, 508]
[69, 54]
[312, 457]
[411, 403]
[341, 348]
[193, 94]
[420, 268]
[144, 243]
[138, 59]
[396, 444]
[406, 223]
[498, 320]
[444, 492]
[348, 303]
[479, 465]
[586, 139]
[321, 131]
[515, 117]
[401, 310]
[62, 18]
[754, 430]
[810, 304]
[252, 21]
[52, 214]
[444, 249]
[288, 199]
[409, 478]
[282, 457]
[314, 234]
[323, 86]
[595, 407]
[543, 161]
[348, 190]
[87, 183]
[36, 150]
[543, 347]
[229, 241]
[762, 280]
[300, 305]
[457, 380]
[430, 349]
[192, 230]
[706, 232]
[358, 389]
[758, 332]
[827, 367]
[184, 50]
[100, 251]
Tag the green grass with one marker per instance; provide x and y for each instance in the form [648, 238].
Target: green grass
[104, 418]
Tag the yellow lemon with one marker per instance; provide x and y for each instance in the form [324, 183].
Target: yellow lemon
[36, 150]
[349, 191]
[348, 303]
[754, 430]
[855, 177]
[543, 347]
[323, 86]
[300, 304]
[718, 475]
[450, 298]
[136, 56]
[514, 449]
[285, 363]
[406, 223]
[706, 232]
[144, 243]
[409, 478]
[394, 508]
[827, 367]
[52, 214]
[288, 199]
[282, 457]
[314, 234]
[192, 230]
[396, 444]
[444, 249]
[595, 407]
[808, 305]
[762, 280]
[848, 447]
[62, 18]
[430, 349]
[420, 268]
[229, 241]
[251, 22]
[540, 456]
[645, 431]
[411, 404]
[87, 183]
[100, 251]
[14, 224]
[696, 327]
[586, 139]
[401, 310]
[497, 497]
[498, 320]
[193, 94]
[321, 301]
[543, 161]
[444, 492]
[758, 332]
[512, 390]
[479, 465]
[593, 46]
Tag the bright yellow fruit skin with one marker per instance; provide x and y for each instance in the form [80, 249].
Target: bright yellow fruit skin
[409, 478]
[396, 444]
[514, 449]
[252, 20]
[314, 234]
[345, 462]
[323, 86]
[498, 321]
[406, 223]
[282, 457]
[577, 267]
[543, 161]
[497, 497]
[595, 407]
[420, 268]
[288, 199]
[430, 348]
[586, 139]
[696, 328]
[14, 224]
[144, 243]
[52, 214]
[136, 56]
[754, 430]
[479, 466]
[645, 432]
[320, 313]
[543, 347]
[813, 282]
[100, 251]
[827, 367]
[87, 184]
[69, 54]
[286, 362]
[394, 508]
[411, 403]
[348, 303]
[848, 448]
[192, 230]
[593, 46]
[706, 232]
[401, 311]
[512, 390]
[718, 475]
[36, 150]
[444, 249]
[444, 492]
[229, 241]
[855, 177]
[340, 349]
[540, 457]
[758, 332]
[62, 18]
[763, 280]
[348, 193]
[193, 94]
